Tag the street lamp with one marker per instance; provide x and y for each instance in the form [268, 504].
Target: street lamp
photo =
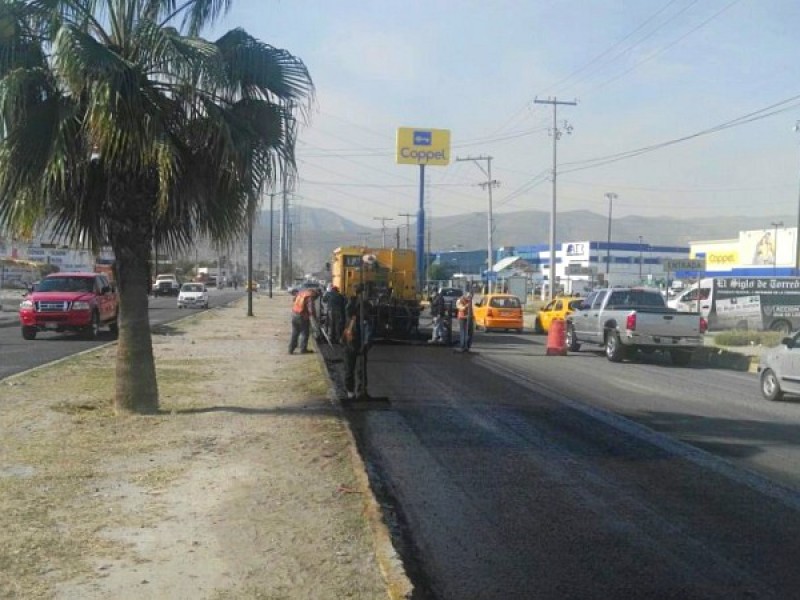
[797, 233]
[775, 246]
[611, 197]
[640, 258]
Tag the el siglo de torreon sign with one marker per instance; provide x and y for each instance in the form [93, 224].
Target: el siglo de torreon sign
[417, 146]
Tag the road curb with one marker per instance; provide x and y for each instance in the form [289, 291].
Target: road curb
[398, 585]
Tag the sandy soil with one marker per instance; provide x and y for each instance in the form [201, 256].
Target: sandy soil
[247, 486]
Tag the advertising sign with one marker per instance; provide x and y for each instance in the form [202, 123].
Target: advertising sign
[418, 146]
[767, 247]
[721, 256]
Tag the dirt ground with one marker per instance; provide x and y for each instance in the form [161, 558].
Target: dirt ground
[246, 486]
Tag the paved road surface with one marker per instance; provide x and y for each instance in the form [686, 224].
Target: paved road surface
[515, 475]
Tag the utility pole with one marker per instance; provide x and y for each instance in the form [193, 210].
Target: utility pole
[366, 238]
[489, 184]
[556, 133]
[611, 196]
[408, 227]
[383, 228]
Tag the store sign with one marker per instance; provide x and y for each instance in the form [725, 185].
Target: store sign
[416, 146]
[576, 249]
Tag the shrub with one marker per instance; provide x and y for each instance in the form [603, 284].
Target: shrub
[748, 338]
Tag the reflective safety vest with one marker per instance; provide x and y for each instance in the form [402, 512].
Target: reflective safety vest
[303, 304]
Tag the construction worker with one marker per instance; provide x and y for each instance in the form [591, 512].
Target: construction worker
[355, 341]
[303, 313]
[334, 303]
[464, 315]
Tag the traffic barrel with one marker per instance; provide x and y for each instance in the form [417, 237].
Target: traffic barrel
[557, 338]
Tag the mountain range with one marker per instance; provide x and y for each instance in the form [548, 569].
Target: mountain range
[316, 232]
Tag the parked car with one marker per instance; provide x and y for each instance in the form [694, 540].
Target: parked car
[498, 311]
[779, 369]
[193, 295]
[557, 308]
[80, 302]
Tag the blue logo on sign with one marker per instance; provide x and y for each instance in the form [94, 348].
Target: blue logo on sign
[422, 138]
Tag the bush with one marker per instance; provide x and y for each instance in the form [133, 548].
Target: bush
[748, 338]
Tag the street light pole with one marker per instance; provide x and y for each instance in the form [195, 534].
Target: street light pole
[611, 197]
[640, 259]
[775, 247]
[271, 222]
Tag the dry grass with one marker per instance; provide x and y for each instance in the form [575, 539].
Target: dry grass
[70, 468]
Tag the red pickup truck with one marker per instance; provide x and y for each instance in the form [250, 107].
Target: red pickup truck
[82, 302]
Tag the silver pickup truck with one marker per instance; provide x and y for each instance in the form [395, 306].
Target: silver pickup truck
[625, 320]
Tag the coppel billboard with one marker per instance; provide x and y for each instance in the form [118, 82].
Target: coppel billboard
[418, 146]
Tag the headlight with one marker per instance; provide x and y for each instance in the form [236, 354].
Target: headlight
[26, 304]
[81, 305]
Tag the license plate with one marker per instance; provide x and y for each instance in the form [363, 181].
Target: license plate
[51, 325]
[506, 313]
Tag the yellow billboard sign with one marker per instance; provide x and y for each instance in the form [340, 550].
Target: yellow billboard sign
[417, 146]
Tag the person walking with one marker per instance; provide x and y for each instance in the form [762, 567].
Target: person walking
[437, 314]
[303, 313]
[335, 304]
[464, 315]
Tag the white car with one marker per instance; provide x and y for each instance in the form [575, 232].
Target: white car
[779, 369]
[193, 294]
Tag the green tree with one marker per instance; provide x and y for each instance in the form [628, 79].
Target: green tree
[120, 125]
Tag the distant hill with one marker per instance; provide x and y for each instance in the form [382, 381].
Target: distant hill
[317, 232]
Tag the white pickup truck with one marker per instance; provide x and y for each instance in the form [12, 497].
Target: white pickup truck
[625, 320]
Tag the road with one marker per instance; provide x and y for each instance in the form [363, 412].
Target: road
[510, 474]
[18, 355]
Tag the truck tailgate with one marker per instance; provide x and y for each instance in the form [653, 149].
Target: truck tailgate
[667, 324]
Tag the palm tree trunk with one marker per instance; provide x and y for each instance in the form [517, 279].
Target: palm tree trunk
[136, 385]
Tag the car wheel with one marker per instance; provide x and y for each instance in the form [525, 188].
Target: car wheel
[537, 326]
[770, 387]
[28, 333]
[784, 327]
[91, 331]
[572, 340]
[615, 351]
[680, 358]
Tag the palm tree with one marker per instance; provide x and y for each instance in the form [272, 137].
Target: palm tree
[121, 126]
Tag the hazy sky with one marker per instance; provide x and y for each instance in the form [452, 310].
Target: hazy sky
[643, 72]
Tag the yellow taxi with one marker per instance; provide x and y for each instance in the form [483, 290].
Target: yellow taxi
[557, 308]
[498, 311]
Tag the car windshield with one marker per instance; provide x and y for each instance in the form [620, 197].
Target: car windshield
[633, 298]
[192, 287]
[66, 284]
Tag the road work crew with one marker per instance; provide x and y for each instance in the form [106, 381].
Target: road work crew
[303, 312]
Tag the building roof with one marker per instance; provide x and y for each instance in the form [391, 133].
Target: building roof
[509, 261]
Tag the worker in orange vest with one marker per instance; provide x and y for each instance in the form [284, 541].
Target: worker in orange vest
[464, 316]
[303, 313]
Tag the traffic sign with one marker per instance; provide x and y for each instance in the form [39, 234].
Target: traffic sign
[685, 264]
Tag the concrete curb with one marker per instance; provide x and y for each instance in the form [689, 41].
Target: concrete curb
[398, 585]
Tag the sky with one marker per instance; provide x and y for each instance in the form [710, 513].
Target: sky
[643, 73]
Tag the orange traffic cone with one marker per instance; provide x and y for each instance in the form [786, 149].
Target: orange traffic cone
[557, 338]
